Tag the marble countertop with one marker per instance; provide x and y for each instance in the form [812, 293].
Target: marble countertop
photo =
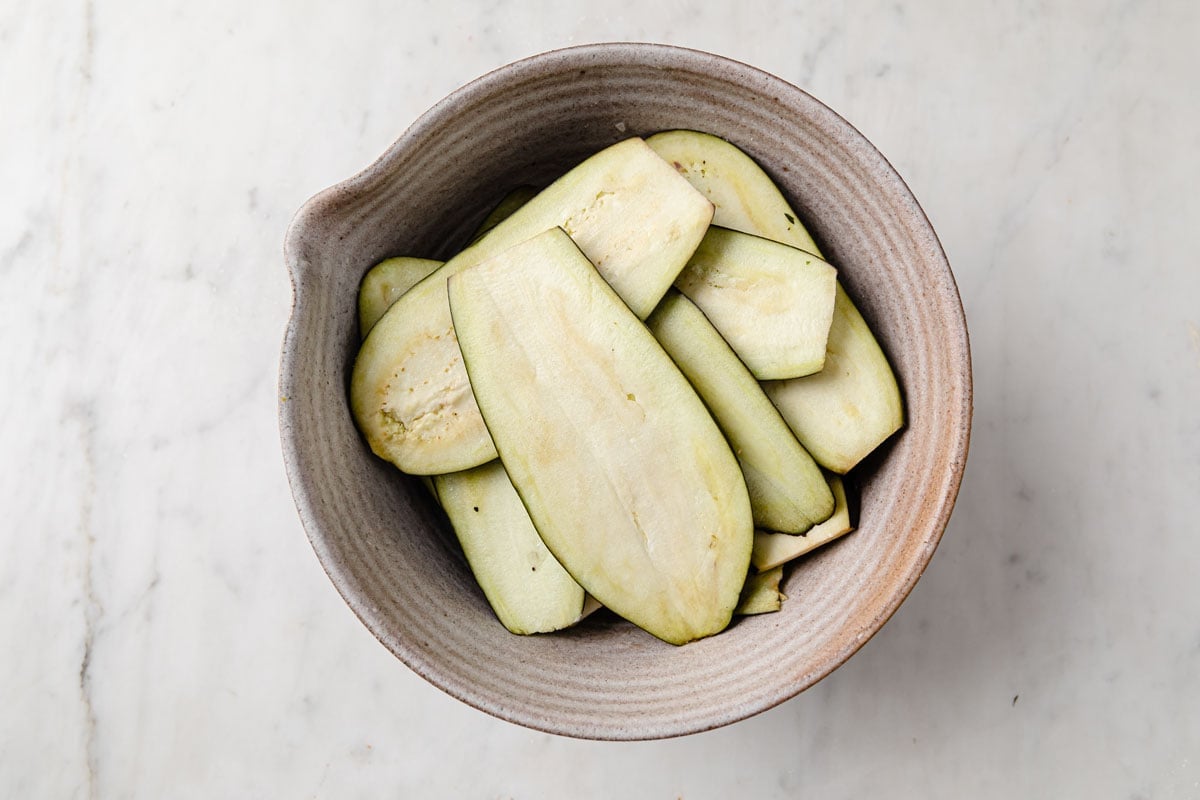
[167, 630]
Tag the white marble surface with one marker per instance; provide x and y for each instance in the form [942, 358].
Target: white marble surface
[166, 628]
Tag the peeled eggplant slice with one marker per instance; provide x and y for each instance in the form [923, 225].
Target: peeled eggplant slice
[383, 285]
[774, 549]
[849, 408]
[761, 593]
[788, 492]
[626, 477]
[852, 405]
[627, 210]
[745, 197]
[771, 302]
[524, 584]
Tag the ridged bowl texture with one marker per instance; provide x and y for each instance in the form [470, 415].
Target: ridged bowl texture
[386, 546]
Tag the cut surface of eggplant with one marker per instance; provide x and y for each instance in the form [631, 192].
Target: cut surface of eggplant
[773, 549]
[839, 415]
[852, 405]
[626, 477]
[746, 196]
[771, 302]
[788, 492]
[630, 213]
[505, 209]
[524, 584]
[761, 593]
[383, 285]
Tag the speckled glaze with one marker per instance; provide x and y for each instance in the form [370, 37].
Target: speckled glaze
[386, 546]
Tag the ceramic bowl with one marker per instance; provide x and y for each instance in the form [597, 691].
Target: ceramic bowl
[386, 546]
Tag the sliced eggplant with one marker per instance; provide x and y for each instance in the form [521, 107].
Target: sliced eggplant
[745, 196]
[627, 210]
[852, 405]
[385, 282]
[788, 492]
[774, 549]
[383, 285]
[761, 593]
[771, 302]
[844, 412]
[524, 584]
[626, 477]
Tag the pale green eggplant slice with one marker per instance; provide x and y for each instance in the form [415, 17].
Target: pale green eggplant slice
[840, 414]
[761, 593]
[385, 282]
[852, 405]
[788, 492]
[774, 549]
[383, 285]
[625, 475]
[745, 197]
[771, 302]
[524, 584]
[630, 213]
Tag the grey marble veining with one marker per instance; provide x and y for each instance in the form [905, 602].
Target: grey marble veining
[167, 630]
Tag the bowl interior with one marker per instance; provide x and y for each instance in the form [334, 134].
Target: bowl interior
[386, 546]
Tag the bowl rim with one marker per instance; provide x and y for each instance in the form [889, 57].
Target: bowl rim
[645, 54]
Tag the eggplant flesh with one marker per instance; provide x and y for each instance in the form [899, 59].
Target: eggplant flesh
[787, 490]
[630, 213]
[627, 478]
[853, 405]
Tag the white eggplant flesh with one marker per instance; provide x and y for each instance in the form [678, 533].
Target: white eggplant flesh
[526, 587]
[746, 196]
[852, 405]
[384, 284]
[788, 491]
[840, 414]
[771, 302]
[626, 476]
[630, 213]
[773, 549]
[761, 593]
[505, 209]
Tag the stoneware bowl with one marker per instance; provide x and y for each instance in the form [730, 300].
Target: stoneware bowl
[385, 544]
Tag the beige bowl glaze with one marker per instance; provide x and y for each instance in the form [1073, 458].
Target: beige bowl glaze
[386, 546]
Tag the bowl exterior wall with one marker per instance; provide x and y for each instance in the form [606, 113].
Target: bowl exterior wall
[386, 546]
